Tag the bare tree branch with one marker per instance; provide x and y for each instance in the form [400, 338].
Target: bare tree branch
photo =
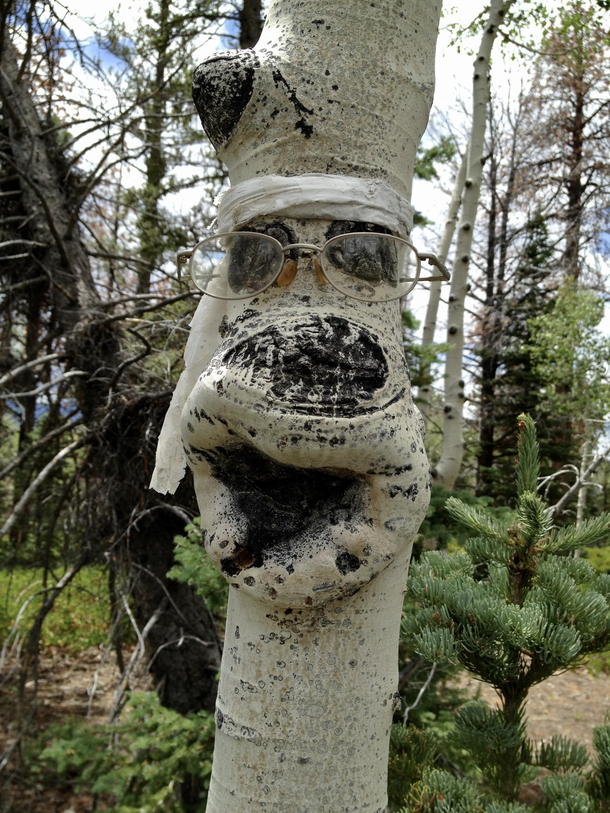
[17, 461]
[30, 364]
[580, 482]
[39, 480]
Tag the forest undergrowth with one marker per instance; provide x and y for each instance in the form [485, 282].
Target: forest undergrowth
[83, 755]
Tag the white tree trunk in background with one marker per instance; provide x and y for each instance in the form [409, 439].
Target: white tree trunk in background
[306, 450]
[581, 503]
[424, 394]
[448, 468]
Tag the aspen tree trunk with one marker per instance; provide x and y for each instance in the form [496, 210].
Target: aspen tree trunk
[581, 503]
[453, 418]
[424, 394]
[306, 449]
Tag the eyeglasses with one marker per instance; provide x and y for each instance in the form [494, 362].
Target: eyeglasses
[366, 266]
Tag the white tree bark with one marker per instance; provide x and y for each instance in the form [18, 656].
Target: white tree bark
[306, 449]
[581, 503]
[424, 393]
[305, 703]
[453, 410]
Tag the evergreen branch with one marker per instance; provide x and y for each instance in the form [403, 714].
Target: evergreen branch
[563, 754]
[566, 793]
[558, 645]
[482, 550]
[602, 585]
[581, 570]
[600, 784]
[528, 466]
[573, 537]
[485, 731]
[475, 520]
[437, 646]
[534, 518]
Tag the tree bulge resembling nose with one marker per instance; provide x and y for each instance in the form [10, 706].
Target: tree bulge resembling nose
[318, 363]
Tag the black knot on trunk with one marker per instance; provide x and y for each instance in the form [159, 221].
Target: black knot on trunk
[222, 88]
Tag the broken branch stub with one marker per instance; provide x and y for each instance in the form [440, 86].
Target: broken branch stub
[306, 449]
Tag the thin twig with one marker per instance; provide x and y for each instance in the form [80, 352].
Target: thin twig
[47, 605]
[17, 461]
[92, 688]
[125, 364]
[420, 695]
[136, 656]
[149, 308]
[23, 367]
[44, 387]
[9, 751]
[16, 623]
[179, 642]
[21, 243]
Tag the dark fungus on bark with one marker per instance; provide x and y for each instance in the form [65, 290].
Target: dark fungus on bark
[338, 362]
[347, 562]
[284, 506]
[222, 88]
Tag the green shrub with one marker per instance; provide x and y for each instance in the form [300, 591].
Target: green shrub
[195, 568]
[442, 528]
[140, 764]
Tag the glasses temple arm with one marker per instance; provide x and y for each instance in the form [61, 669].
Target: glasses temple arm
[434, 261]
[182, 258]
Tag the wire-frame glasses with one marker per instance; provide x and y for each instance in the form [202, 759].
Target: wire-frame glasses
[366, 266]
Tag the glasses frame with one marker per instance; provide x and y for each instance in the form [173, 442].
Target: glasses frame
[186, 255]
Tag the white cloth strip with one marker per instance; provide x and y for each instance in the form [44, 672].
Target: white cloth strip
[202, 342]
[314, 196]
[317, 197]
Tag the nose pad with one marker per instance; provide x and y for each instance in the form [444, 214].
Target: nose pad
[319, 272]
[288, 273]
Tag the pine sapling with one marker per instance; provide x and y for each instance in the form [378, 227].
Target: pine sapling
[515, 608]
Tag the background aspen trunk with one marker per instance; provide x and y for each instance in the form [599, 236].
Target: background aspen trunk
[448, 468]
[306, 450]
[424, 394]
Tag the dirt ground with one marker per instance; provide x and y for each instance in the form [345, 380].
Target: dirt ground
[570, 704]
[65, 691]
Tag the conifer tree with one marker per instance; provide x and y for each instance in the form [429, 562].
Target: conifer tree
[515, 608]
[516, 386]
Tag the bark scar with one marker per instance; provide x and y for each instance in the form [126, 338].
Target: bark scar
[299, 107]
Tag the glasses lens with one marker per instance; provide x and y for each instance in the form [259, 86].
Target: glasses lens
[370, 267]
[236, 266]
